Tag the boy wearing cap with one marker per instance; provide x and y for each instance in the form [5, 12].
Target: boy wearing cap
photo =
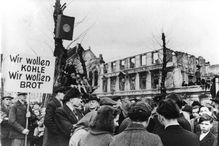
[5, 127]
[136, 134]
[206, 137]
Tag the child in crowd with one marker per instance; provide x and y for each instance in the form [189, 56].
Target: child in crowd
[206, 137]
[39, 132]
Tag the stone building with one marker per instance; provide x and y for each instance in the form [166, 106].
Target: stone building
[140, 75]
[91, 67]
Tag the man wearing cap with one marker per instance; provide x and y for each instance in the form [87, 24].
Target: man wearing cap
[17, 119]
[5, 127]
[107, 101]
[51, 131]
[136, 134]
[68, 115]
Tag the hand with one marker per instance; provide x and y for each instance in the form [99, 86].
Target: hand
[28, 114]
[6, 118]
[41, 134]
[25, 131]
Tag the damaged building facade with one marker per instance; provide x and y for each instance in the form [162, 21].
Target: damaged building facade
[140, 75]
[84, 68]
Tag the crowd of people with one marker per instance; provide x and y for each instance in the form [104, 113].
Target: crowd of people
[73, 119]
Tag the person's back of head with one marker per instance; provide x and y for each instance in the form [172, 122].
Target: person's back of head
[168, 109]
[158, 98]
[107, 101]
[104, 120]
[176, 99]
[139, 112]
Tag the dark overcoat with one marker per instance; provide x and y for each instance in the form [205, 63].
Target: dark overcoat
[5, 127]
[175, 135]
[184, 123]
[49, 122]
[208, 140]
[17, 120]
[214, 128]
[65, 119]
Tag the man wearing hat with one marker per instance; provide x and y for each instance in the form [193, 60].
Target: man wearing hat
[136, 133]
[68, 115]
[17, 119]
[93, 102]
[51, 130]
[181, 119]
[5, 127]
[103, 101]
[174, 135]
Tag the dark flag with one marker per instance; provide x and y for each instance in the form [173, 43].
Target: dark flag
[65, 27]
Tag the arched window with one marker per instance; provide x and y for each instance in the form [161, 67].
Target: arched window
[95, 78]
[90, 78]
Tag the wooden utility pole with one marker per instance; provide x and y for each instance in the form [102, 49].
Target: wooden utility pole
[164, 67]
[62, 76]
[60, 52]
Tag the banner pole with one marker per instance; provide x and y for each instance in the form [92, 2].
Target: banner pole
[28, 106]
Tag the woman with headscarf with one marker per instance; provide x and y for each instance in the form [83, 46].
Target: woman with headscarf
[100, 133]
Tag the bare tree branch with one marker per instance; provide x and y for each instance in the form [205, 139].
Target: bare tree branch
[156, 40]
[81, 21]
[81, 35]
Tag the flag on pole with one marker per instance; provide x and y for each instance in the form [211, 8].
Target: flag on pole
[65, 27]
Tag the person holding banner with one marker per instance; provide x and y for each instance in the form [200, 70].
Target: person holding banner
[18, 115]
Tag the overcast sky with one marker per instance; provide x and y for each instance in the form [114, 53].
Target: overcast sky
[114, 28]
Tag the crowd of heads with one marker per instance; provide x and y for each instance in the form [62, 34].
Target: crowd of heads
[138, 110]
[168, 106]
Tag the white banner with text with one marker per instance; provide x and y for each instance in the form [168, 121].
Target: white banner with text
[25, 73]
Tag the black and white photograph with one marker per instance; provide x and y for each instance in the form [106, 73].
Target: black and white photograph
[109, 72]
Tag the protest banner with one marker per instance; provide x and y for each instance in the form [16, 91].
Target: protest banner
[26, 73]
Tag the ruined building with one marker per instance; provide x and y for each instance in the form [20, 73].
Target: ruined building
[140, 75]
